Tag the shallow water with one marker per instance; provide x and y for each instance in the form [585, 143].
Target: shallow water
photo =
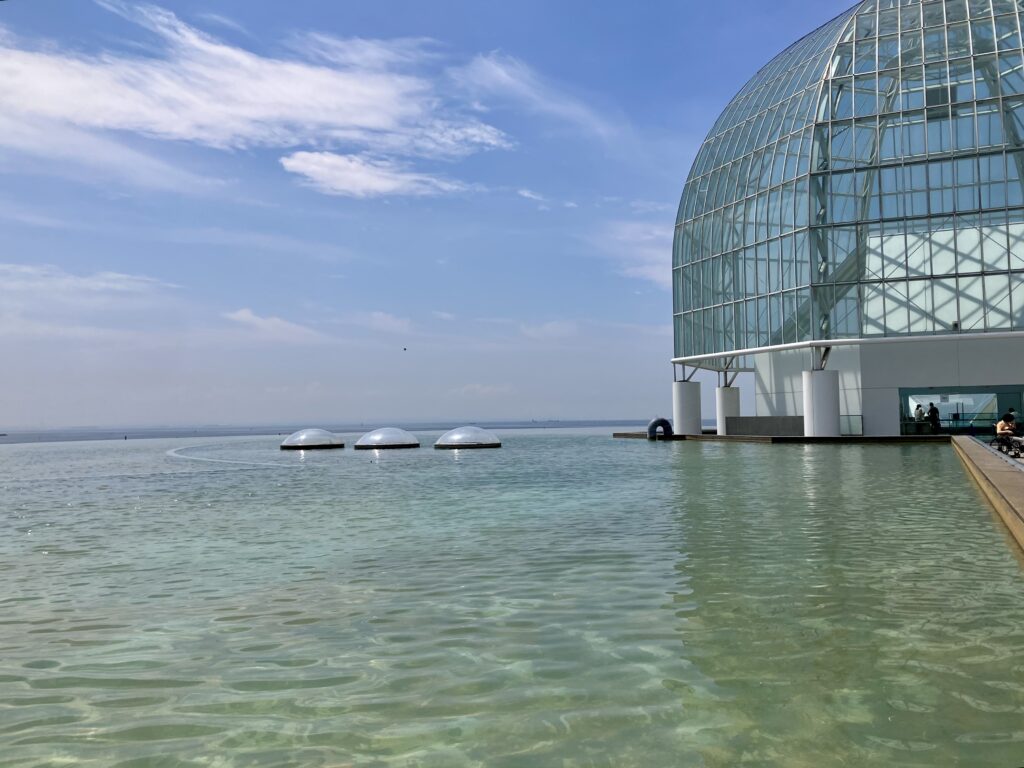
[567, 600]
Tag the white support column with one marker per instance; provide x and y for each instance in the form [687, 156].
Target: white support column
[686, 408]
[727, 403]
[821, 403]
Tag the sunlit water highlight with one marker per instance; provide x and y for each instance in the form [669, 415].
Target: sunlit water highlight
[567, 600]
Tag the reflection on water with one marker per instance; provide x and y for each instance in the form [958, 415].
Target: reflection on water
[567, 600]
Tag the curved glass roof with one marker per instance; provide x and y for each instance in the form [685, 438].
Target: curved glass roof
[468, 437]
[387, 437]
[308, 439]
[866, 182]
[765, 121]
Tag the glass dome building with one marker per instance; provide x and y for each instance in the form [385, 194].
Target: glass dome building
[858, 211]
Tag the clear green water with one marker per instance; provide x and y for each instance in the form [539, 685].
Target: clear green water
[567, 601]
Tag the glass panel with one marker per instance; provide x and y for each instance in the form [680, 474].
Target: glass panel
[958, 40]
[997, 302]
[956, 10]
[945, 309]
[1015, 243]
[972, 304]
[912, 88]
[943, 248]
[963, 127]
[982, 36]
[910, 17]
[986, 76]
[1011, 74]
[994, 242]
[866, 142]
[874, 260]
[968, 246]
[918, 260]
[933, 14]
[894, 252]
[992, 178]
[961, 80]
[967, 197]
[873, 308]
[1007, 34]
[864, 59]
[897, 319]
[1017, 300]
[842, 61]
[934, 44]
[919, 305]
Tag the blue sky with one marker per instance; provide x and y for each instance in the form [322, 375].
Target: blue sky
[239, 211]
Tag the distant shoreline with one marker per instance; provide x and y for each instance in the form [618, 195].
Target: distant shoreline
[74, 434]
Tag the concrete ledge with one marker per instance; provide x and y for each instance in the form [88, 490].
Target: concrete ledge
[766, 426]
[796, 439]
[1001, 482]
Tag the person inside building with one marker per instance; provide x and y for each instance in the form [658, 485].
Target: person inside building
[918, 419]
[933, 418]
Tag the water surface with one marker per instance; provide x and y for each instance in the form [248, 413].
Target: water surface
[567, 600]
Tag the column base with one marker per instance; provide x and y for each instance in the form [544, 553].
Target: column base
[727, 404]
[686, 416]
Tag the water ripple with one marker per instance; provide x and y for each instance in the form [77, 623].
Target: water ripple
[567, 600]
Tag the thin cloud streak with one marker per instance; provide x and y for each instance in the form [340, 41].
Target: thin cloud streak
[274, 328]
[506, 78]
[357, 176]
[639, 249]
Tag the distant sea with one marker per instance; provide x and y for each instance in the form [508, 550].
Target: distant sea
[67, 434]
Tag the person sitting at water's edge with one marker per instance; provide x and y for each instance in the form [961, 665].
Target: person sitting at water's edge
[1007, 427]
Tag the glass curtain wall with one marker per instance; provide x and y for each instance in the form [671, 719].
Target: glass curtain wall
[868, 182]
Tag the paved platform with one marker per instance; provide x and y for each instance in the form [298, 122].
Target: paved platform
[1000, 478]
[782, 439]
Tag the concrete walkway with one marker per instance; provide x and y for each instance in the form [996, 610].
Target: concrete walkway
[1000, 478]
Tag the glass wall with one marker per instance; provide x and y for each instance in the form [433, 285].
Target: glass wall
[868, 182]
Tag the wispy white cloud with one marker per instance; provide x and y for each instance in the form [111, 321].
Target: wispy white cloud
[222, 21]
[360, 176]
[531, 195]
[365, 53]
[14, 212]
[47, 301]
[274, 328]
[505, 78]
[63, 149]
[640, 249]
[37, 282]
[255, 240]
[357, 94]
[651, 206]
[447, 316]
[383, 322]
[555, 329]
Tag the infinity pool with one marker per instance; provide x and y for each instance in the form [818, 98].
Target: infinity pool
[567, 600]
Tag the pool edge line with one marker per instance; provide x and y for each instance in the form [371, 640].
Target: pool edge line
[1000, 483]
